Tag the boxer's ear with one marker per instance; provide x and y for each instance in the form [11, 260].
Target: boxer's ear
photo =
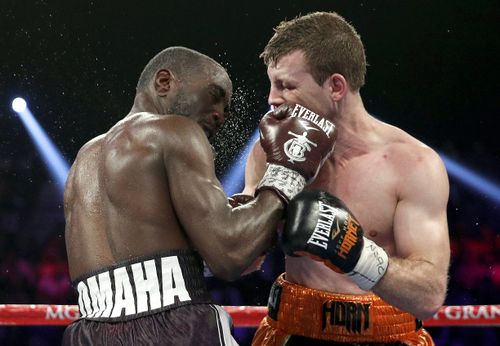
[337, 86]
[162, 82]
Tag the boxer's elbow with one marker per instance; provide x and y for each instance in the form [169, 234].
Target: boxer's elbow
[236, 266]
[231, 276]
[432, 303]
[229, 268]
[426, 311]
[228, 273]
[233, 261]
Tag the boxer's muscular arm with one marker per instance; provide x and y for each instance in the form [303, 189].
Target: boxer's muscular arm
[416, 278]
[228, 239]
[254, 169]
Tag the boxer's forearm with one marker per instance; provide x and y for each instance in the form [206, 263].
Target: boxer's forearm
[416, 286]
[250, 232]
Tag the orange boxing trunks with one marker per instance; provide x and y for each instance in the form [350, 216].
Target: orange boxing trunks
[301, 315]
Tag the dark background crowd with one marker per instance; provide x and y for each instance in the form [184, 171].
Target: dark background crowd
[433, 72]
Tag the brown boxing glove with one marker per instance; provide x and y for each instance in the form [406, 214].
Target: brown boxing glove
[297, 142]
[239, 199]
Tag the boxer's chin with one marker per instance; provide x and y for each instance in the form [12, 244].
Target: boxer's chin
[208, 133]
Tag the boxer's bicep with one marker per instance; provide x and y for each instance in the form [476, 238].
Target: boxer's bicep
[196, 194]
[254, 169]
[420, 222]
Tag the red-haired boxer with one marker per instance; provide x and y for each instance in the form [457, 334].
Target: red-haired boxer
[395, 185]
[144, 208]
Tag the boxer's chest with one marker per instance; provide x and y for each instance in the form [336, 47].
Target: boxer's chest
[367, 184]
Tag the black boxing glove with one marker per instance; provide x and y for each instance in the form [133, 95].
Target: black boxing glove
[239, 199]
[320, 226]
[297, 142]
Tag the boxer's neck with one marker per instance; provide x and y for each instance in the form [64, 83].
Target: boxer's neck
[356, 128]
[143, 103]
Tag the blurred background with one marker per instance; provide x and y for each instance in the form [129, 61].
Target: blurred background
[433, 72]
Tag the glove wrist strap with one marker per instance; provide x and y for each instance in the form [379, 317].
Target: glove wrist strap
[285, 181]
[371, 266]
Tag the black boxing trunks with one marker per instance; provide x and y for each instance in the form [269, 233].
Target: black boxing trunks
[153, 300]
[298, 315]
